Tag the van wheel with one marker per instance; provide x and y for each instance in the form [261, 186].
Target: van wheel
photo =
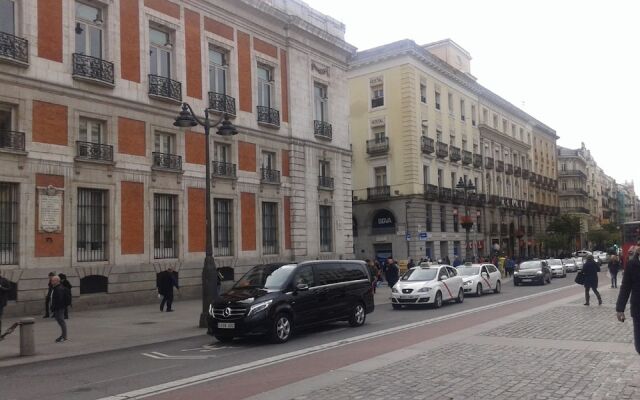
[281, 328]
[437, 302]
[358, 315]
[498, 287]
[460, 297]
[223, 338]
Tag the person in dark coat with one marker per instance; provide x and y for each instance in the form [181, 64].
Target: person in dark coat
[631, 287]
[614, 268]
[65, 282]
[590, 272]
[392, 272]
[5, 288]
[47, 306]
[166, 281]
[58, 302]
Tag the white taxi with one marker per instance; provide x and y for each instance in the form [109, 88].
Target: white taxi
[427, 284]
[480, 278]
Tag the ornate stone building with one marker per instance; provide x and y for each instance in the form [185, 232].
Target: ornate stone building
[96, 182]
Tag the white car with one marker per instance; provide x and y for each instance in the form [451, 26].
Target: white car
[480, 278]
[582, 253]
[570, 264]
[427, 284]
[557, 267]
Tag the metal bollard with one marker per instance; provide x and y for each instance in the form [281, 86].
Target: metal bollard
[27, 337]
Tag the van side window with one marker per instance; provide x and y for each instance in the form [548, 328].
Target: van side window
[329, 273]
[305, 276]
[354, 272]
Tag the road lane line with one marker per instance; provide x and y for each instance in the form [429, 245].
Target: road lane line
[225, 372]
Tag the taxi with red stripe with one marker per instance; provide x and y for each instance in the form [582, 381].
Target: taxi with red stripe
[479, 279]
[427, 284]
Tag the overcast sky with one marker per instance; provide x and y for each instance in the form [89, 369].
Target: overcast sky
[574, 65]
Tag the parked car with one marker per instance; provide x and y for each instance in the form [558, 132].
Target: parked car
[536, 271]
[480, 278]
[570, 264]
[427, 284]
[582, 253]
[276, 299]
[579, 263]
[557, 268]
[601, 257]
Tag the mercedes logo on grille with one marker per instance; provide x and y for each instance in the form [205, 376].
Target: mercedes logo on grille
[226, 312]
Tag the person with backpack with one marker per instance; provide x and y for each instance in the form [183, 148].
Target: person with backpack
[65, 282]
[60, 299]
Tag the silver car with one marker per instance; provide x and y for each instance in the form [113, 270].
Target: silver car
[570, 264]
[557, 267]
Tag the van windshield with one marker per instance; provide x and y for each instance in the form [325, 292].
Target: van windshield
[266, 277]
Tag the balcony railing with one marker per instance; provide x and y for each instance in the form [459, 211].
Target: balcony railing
[508, 169]
[223, 169]
[379, 192]
[454, 154]
[427, 145]
[488, 163]
[572, 192]
[165, 88]
[442, 150]
[222, 103]
[269, 116]
[12, 140]
[467, 157]
[92, 69]
[268, 175]
[493, 200]
[525, 174]
[517, 171]
[458, 196]
[325, 182]
[322, 129]
[477, 161]
[573, 210]
[533, 177]
[14, 49]
[572, 172]
[165, 161]
[378, 145]
[377, 102]
[430, 192]
[94, 151]
[499, 166]
[444, 195]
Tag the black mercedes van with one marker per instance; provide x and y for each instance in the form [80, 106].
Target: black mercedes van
[275, 299]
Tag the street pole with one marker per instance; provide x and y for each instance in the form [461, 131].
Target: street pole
[406, 219]
[209, 271]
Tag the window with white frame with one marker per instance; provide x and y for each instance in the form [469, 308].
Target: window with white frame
[165, 143]
[91, 131]
[8, 16]
[380, 176]
[423, 92]
[265, 86]
[270, 228]
[324, 168]
[165, 226]
[326, 237]
[160, 52]
[377, 96]
[92, 225]
[218, 66]
[268, 160]
[321, 102]
[222, 152]
[6, 118]
[438, 134]
[223, 227]
[378, 134]
[89, 30]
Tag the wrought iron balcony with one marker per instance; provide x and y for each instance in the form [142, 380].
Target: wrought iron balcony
[454, 154]
[517, 171]
[442, 150]
[89, 151]
[269, 116]
[572, 192]
[525, 174]
[379, 192]
[223, 169]
[444, 195]
[168, 162]
[322, 130]
[377, 102]
[325, 182]
[539, 179]
[576, 210]
[499, 166]
[269, 176]
[493, 200]
[378, 146]
[533, 177]
[508, 169]
[430, 192]
[222, 103]
[12, 141]
[165, 88]
[92, 69]
[427, 145]
[477, 161]
[572, 172]
[488, 163]
[458, 196]
[467, 157]
[14, 49]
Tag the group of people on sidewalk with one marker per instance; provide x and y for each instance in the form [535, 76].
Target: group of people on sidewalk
[58, 301]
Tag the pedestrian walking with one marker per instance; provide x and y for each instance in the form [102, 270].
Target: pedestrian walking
[65, 282]
[456, 262]
[392, 272]
[5, 287]
[47, 299]
[631, 287]
[511, 266]
[590, 272]
[373, 270]
[60, 299]
[614, 268]
[411, 264]
[166, 281]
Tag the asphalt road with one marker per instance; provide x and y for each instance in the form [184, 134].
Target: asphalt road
[106, 374]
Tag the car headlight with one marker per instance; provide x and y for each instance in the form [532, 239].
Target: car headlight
[394, 290]
[515, 272]
[211, 310]
[424, 289]
[467, 283]
[256, 308]
[539, 272]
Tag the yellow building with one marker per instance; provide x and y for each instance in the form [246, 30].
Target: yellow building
[423, 130]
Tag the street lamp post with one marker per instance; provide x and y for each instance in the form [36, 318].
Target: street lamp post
[186, 119]
[467, 221]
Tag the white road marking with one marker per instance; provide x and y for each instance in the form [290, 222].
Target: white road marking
[162, 356]
[214, 375]
[209, 347]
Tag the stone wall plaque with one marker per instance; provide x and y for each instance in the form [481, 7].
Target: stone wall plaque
[50, 210]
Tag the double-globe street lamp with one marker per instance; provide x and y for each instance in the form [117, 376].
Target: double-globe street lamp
[467, 221]
[187, 119]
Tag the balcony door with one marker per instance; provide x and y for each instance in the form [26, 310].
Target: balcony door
[165, 143]
[268, 160]
[88, 30]
[222, 153]
[217, 71]
[265, 86]
[91, 131]
[8, 16]
[160, 53]
[320, 102]
[380, 176]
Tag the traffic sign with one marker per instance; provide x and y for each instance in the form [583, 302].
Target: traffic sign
[422, 236]
[408, 236]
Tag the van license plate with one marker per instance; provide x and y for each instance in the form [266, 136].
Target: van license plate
[524, 280]
[226, 325]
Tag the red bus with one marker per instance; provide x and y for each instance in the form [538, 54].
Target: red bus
[630, 237]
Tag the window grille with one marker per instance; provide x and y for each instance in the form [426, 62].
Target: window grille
[223, 232]
[92, 225]
[165, 228]
[270, 228]
[8, 223]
